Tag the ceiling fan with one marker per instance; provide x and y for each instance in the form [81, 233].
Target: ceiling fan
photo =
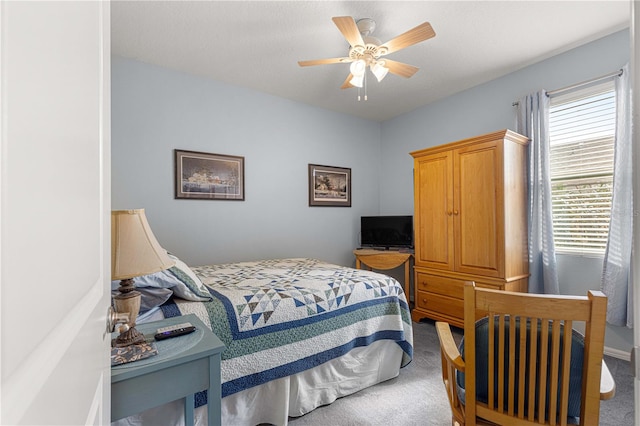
[367, 51]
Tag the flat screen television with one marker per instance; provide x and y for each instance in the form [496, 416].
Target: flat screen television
[386, 231]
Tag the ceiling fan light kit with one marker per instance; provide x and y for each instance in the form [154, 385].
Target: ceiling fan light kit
[357, 68]
[365, 51]
[379, 70]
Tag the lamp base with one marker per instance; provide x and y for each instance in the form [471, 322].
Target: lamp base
[127, 338]
[128, 302]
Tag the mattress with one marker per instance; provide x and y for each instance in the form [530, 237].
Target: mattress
[299, 333]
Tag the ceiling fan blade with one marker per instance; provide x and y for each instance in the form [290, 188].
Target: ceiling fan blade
[349, 29]
[415, 35]
[346, 84]
[324, 61]
[399, 68]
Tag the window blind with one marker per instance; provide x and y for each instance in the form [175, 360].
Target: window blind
[581, 132]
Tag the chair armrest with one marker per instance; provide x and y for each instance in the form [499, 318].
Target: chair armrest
[607, 384]
[448, 345]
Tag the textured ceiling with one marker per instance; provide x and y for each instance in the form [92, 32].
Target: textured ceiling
[256, 44]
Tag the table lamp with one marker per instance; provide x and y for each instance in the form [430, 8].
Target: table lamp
[134, 252]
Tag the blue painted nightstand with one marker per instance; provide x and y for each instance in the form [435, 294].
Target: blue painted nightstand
[184, 365]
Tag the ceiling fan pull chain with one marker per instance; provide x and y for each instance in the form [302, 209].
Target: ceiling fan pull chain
[365, 85]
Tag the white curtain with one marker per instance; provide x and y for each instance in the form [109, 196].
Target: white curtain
[616, 272]
[533, 122]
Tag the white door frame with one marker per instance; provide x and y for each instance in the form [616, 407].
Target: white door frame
[635, 102]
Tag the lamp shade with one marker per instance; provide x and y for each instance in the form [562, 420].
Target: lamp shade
[378, 69]
[357, 80]
[358, 67]
[134, 249]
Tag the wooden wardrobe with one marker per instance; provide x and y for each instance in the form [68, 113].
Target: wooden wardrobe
[470, 221]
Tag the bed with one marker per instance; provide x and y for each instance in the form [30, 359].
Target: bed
[299, 333]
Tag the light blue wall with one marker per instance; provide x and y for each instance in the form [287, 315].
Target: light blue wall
[487, 108]
[156, 110]
[484, 109]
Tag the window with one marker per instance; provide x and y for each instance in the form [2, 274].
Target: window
[581, 132]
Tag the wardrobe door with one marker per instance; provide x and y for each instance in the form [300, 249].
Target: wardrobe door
[477, 212]
[434, 211]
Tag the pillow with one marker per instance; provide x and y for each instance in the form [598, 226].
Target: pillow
[180, 279]
[151, 297]
[192, 288]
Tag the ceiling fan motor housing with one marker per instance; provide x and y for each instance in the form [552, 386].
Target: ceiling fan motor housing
[372, 49]
[367, 52]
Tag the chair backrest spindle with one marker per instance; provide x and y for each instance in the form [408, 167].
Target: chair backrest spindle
[523, 363]
[522, 368]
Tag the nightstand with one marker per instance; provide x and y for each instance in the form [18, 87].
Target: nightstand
[184, 365]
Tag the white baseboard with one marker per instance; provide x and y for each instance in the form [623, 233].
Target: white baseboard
[617, 353]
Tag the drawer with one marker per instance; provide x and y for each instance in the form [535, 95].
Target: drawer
[440, 285]
[441, 304]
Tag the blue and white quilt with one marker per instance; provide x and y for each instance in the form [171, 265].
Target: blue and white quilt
[281, 317]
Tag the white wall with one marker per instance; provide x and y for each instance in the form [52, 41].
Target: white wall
[487, 108]
[157, 110]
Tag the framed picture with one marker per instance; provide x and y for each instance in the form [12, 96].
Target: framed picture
[204, 176]
[329, 186]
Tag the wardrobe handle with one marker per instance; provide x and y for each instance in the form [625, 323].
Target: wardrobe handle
[449, 213]
[455, 212]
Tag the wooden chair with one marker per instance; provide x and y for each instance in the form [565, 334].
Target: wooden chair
[545, 362]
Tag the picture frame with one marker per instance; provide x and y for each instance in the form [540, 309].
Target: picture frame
[207, 176]
[329, 186]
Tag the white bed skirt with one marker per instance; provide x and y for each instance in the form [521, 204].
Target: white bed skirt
[295, 395]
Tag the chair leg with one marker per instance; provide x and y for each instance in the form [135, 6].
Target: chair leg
[457, 420]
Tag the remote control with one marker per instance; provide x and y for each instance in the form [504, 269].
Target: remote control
[174, 331]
